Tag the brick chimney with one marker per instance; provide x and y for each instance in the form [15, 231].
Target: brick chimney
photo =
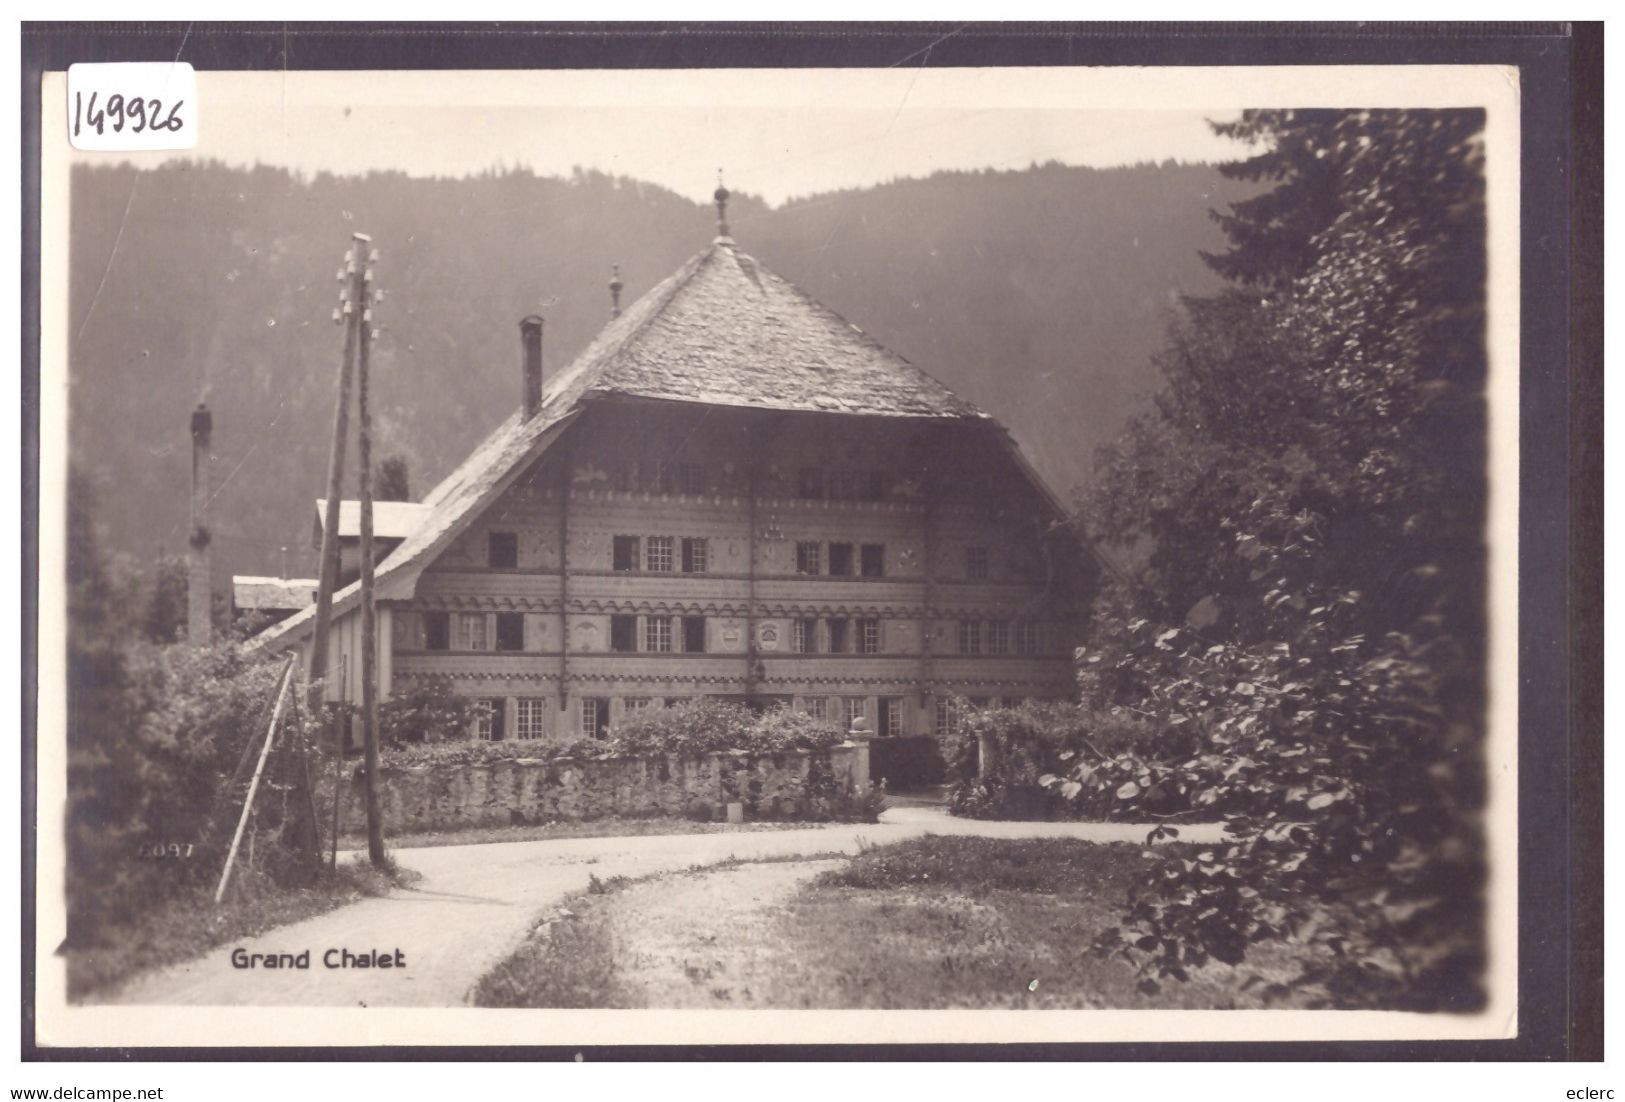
[199, 583]
[530, 340]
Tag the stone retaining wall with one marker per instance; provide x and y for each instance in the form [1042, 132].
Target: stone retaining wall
[792, 785]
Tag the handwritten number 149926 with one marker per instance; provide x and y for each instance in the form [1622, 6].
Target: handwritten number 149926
[140, 114]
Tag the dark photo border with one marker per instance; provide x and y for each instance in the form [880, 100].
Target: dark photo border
[1560, 1009]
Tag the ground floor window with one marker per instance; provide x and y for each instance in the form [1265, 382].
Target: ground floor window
[632, 704]
[856, 708]
[488, 719]
[814, 706]
[944, 718]
[595, 716]
[891, 715]
[530, 717]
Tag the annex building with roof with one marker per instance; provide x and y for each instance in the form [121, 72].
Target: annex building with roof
[732, 492]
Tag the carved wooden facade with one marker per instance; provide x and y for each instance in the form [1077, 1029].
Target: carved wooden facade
[659, 553]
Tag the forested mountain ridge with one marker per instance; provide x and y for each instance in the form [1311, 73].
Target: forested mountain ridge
[1039, 295]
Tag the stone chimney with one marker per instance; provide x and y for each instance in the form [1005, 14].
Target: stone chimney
[199, 583]
[530, 340]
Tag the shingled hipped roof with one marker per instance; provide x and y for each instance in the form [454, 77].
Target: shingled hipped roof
[726, 331]
[722, 330]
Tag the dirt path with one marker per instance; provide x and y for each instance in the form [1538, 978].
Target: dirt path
[674, 968]
[475, 904]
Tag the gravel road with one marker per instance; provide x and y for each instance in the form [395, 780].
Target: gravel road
[475, 904]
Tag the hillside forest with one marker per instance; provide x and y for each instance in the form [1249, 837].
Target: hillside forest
[1040, 295]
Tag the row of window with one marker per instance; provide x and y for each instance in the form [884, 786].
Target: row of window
[835, 635]
[661, 554]
[869, 559]
[692, 555]
[685, 477]
[659, 634]
[820, 484]
[654, 476]
[1000, 637]
[467, 631]
[628, 633]
[532, 714]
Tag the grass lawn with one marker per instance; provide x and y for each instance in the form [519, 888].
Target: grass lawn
[934, 922]
[593, 828]
[189, 924]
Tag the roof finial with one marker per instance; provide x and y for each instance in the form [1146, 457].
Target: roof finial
[615, 286]
[722, 206]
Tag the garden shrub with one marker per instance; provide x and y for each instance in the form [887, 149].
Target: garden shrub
[153, 769]
[710, 726]
[467, 751]
[1034, 741]
[429, 710]
[687, 730]
[1346, 792]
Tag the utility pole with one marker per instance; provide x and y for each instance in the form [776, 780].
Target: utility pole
[369, 612]
[343, 314]
[199, 584]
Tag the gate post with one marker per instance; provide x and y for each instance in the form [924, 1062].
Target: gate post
[859, 737]
[984, 754]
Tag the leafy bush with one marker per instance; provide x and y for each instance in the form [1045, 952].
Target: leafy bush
[468, 751]
[430, 710]
[709, 726]
[154, 770]
[690, 729]
[1305, 505]
[1348, 801]
[784, 728]
[1038, 739]
[861, 807]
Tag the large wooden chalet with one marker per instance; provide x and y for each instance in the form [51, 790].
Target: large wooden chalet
[734, 493]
